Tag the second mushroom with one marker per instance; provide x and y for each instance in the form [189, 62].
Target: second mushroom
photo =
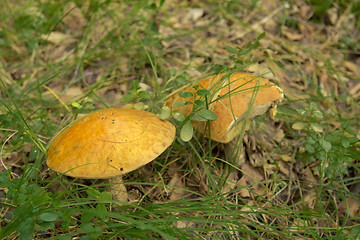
[235, 99]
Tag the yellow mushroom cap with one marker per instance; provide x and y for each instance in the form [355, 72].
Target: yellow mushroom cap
[231, 98]
[109, 142]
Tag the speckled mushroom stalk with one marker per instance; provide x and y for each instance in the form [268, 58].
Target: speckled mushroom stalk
[108, 144]
[236, 99]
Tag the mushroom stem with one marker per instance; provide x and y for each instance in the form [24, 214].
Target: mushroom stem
[118, 189]
[235, 151]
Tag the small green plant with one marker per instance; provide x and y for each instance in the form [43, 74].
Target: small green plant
[335, 151]
[202, 98]
[136, 94]
[347, 43]
[27, 203]
[240, 58]
[200, 111]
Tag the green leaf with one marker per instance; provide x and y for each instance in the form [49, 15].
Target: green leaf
[298, 126]
[230, 49]
[309, 148]
[301, 111]
[350, 131]
[207, 114]
[101, 212]
[203, 92]
[200, 103]
[92, 192]
[187, 131]
[140, 106]
[172, 72]
[257, 43]
[353, 140]
[345, 142]
[87, 227]
[185, 94]
[105, 197]
[144, 94]
[316, 127]
[310, 138]
[197, 118]
[44, 226]
[165, 113]
[321, 155]
[135, 84]
[178, 104]
[325, 144]
[178, 116]
[75, 104]
[37, 126]
[26, 228]
[312, 106]
[129, 97]
[318, 114]
[49, 217]
[332, 138]
[354, 153]
[65, 237]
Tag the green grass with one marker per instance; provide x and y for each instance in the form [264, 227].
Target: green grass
[139, 52]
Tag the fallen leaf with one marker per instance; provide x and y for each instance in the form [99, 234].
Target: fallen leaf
[74, 19]
[71, 93]
[332, 15]
[279, 135]
[250, 179]
[58, 38]
[176, 181]
[284, 168]
[306, 11]
[310, 199]
[291, 34]
[231, 182]
[287, 158]
[354, 68]
[351, 205]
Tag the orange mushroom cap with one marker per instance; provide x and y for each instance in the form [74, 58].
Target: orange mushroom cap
[109, 142]
[230, 100]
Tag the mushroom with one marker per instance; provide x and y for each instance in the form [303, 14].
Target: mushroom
[108, 144]
[235, 99]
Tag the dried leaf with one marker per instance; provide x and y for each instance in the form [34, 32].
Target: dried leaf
[179, 191]
[74, 19]
[291, 34]
[284, 168]
[306, 11]
[250, 178]
[230, 182]
[58, 38]
[352, 206]
[287, 158]
[332, 15]
[354, 68]
[279, 135]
